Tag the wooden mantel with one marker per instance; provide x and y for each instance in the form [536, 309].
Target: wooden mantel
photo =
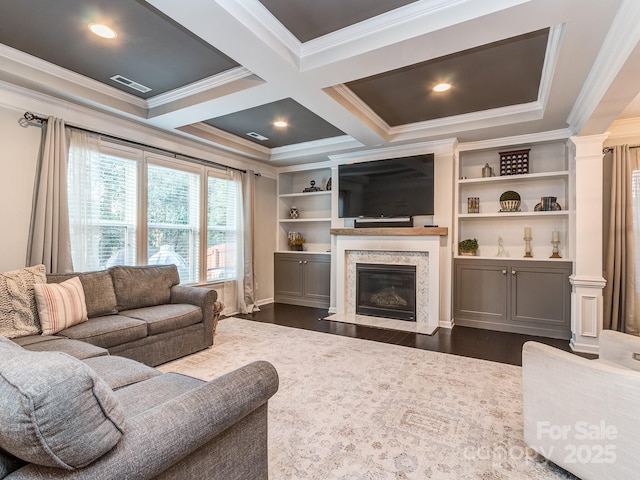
[396, 231]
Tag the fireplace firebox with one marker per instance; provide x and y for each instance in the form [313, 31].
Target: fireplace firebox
[386, 291]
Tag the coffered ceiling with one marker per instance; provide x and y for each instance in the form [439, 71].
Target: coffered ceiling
[343, 75]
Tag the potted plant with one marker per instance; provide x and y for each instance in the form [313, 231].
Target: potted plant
[296, 243]
[510, 201]
[468, 247]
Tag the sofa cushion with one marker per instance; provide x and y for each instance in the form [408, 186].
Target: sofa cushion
[119, 372]
[60, 305]
[48, 343]
[99, 294]
[107, 331]
[18, 312]
[138, 287]
[54, 410]
[142, 396]
[166, 318]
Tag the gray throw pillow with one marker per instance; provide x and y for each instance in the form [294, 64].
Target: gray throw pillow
[99, 294]
[54, 410]
[144, 286]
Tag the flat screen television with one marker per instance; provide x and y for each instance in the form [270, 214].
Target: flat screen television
[394, 187]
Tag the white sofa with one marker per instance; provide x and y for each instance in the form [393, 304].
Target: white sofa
[584, 415]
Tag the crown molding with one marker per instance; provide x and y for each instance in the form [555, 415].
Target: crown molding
[554, 43]
[438, 147]
[541, 137]
[314, 147]
[345, 96]
[624, 128]
[622, 38]
[200, 86]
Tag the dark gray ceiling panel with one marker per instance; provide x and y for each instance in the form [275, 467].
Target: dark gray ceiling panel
[304, 125]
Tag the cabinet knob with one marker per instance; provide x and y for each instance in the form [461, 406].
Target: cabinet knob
[300, 262]
[304, 261]
[513, 272]
[504, 272]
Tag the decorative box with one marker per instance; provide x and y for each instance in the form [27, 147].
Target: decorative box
[514, 162]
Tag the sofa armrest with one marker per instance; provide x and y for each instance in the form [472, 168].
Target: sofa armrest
[581, 414]
[158, 438]
[620, 348]
[203, 297]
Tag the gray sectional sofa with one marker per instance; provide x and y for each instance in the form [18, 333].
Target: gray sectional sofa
[110, 417]
[73, 406]
[140, 313]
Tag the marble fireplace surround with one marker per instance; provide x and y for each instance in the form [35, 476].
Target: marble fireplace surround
[398, 246]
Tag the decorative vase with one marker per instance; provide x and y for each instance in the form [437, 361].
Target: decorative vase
[468, 253]
[297, 248]
[293, 213]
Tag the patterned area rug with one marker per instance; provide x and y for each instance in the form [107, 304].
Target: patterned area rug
[356, 409]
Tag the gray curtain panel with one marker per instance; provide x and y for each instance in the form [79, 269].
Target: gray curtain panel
[49, 238]
[246, 285]
[620, 297]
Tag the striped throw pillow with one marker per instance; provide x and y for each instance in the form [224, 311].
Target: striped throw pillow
[60, 305]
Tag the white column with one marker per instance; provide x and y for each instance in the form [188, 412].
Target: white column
[587, 279]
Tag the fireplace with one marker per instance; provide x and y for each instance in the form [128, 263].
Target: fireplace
[384, 290]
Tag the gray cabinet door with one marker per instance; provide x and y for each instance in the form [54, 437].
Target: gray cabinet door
[541, 296]
[302, 279]
[480, 293]
[514, 296]
[317, 278]
[288, 276]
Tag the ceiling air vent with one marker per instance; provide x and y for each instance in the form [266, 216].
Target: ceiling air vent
[130, 83]
[257, 136]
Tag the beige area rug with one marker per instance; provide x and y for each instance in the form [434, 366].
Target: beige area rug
[356, 409]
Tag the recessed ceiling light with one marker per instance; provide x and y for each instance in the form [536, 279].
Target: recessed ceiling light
[102, 30]
[442, 87]
[280, 124]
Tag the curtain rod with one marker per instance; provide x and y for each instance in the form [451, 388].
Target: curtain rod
[32, 117]
[610, 149]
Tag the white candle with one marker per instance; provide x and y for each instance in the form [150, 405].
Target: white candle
[527, 232]
[555, 236]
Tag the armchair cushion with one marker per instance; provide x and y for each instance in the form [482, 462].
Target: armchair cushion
[54, 410]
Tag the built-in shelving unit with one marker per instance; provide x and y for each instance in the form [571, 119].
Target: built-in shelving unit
[548, 176]
[314, 208]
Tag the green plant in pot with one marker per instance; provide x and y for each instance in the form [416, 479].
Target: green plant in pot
[468, 246]
[296, 243]
[510, 201]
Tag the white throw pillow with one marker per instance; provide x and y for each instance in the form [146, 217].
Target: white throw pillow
[18, 313]
[60, 305]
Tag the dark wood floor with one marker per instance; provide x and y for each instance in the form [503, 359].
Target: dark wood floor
[468, 342]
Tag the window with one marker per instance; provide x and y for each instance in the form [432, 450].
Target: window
[103, 208]
[222, 229]
[114, 189]
[173, 207]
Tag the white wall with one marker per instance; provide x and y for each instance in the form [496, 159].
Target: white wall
[18, 159]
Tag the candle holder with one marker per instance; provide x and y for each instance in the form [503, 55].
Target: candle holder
[555, 253]
[527, 247]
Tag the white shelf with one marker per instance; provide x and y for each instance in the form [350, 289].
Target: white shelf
[303, 220]
[528, 177]
[481, 216]
[530, 259]
[304, 252]
[550, 177]
[305, 194]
